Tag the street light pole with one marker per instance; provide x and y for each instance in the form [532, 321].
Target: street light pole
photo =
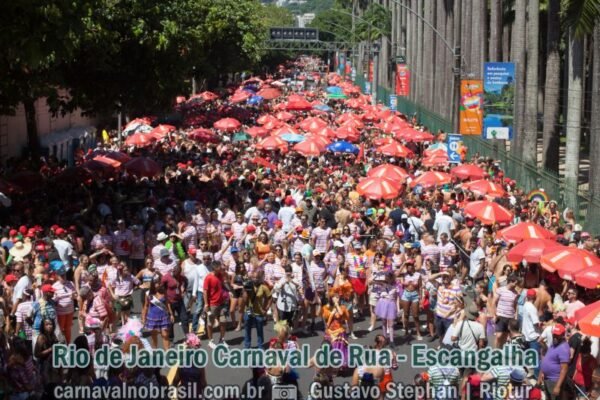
[193, 80]
[119, 116]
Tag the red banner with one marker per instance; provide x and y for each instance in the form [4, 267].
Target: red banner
[402, 80]
[371, 71]
[471, 107]
[348, 70]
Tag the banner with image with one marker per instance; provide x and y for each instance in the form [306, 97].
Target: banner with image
[499, 100]
[471, 107]
[402, 80]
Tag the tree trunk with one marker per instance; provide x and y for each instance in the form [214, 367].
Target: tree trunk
[496, 30]
[477, 44]
[428, 51]
[455, 88]
[467, 27]
[451, 8]
[440, 59]
[529, 142]
[518, 57]
[551, 132]
[413, 49]
[574, 108]
[420, 53]
[593, 215]
[33, 142]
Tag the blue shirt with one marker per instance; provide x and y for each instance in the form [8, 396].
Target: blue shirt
[552, 362]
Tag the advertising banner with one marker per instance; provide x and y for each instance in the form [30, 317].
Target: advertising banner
[471, 107]
[371, 71]
[348, 70]
[367, 87]
[499, 100]
[402, 80]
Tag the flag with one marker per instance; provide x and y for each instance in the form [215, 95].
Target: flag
[105, 137]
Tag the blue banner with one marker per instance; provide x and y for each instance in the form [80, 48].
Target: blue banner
[342, 64]
[454, 141]
[393, 102]
[499, 100]
[367, 87]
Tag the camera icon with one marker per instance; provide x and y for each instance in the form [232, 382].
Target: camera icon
[284, 392]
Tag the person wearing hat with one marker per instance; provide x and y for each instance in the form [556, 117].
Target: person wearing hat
[161, 240]
[165, 261]
[469, 333]
[64, 298]
[287, 213]
[23, 327]
[501, 378]
[555, 364]
[44, 309]
[20, 250]
[64, 248]
[175, 245]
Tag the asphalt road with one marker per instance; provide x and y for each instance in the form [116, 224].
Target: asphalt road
[227, 376]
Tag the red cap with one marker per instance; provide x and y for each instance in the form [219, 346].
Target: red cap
[445, 208]
[289, 201]
[12, 232]
[47, 288]
[54, 227]
[10, 278]
[399, 203]
[558, 330]
[382, 205]
[41, 247]
[23, 229]
[60, 231]
[279, 223]
[470, 223]
[531, 293]
[192, 250]
[250, 229]
[277, 192]
[228, 233]
[299, 229]
[260, 202]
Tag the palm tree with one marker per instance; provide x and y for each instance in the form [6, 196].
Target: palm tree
[429, 50]
[580, 17]
[593, 214]
[495, 30]
[551, 134]
[529, 142]
[518, 57]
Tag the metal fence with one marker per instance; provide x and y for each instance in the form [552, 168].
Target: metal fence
[529, 177]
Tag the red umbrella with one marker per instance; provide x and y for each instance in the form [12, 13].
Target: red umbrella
[108, 161]
[265, 118]
[347, 117]
[568, 261]
[313, 124]
[257, 131]
[354, 103]
[389, 171]
[390, 127]
[98, 168]
[208, 96]
[271, 143]
[283, 130]
[240, 96]
[284, 116]
[395, 149]
[143, 166]
[370, 116]
[488, 212]
[117, 155]
[413, 135]
[299, 103]
[264, 163]
[320, 140]
[382, 141]
[378, 188]
[354, 123]
[346, 132]
[436, 161]
[227, 125]
[589, 277]
[203, 135]
[432, 178]
[326, 132]
[269, 93]
[140, 140]
[588, 319]
[162, 130]
[484, 187]
[531, 250]
[525, 230]
[308, 148]
[468, 171]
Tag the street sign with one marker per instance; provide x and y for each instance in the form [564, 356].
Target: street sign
[454, 141]
[400, 60]
[393, 102]
[290, 33]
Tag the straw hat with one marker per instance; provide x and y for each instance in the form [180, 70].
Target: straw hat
[20, 250]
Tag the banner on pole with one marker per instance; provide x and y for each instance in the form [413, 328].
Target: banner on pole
[367, 87]
[348, 69]
[499, 100]
[454, 141]
[393, 102]
[402, 80]
[371, 71]
[471, 107]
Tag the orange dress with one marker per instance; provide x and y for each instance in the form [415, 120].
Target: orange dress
[262, 250]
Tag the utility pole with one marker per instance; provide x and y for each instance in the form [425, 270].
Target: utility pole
[193, 80]
[119, 118]
[375, 73]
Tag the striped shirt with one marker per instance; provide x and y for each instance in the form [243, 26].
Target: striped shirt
[446, 252]
[431, 251]
[502, 380]
[506, 302]
[447, 299]
[189, 236]
[63, 297]
[124, 285]
[321, 237]
[444, 381]
[319, 274]
[273, 273]
[22, 312]
[165, 267]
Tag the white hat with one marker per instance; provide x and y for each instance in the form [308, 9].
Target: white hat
[576, 228]
[161, 236]
[20, 250]
[316, 253]
[338, 243]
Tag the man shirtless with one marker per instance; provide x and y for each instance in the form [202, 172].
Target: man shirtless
[543, 300]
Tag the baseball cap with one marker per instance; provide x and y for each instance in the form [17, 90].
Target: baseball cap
[47, 288]
[531, 293]
[10, 278]
[558, 330]
[164, 252]
[192, 250]
[250, 229]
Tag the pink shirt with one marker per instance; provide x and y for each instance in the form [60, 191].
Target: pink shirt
[63, 297]
[572, 307]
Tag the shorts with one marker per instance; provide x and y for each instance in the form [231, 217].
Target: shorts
[502, 324]
[124, 303]
[411, 297]
[237, 293]
[218, 312]
[373, 298]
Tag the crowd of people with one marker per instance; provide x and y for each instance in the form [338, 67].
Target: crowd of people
[230, 237]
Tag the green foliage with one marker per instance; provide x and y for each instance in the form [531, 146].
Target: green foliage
[277, 16]
[581, 15]
[334, 25]
[311, 6]
[375, 23]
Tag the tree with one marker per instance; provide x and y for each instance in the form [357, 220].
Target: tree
[37, 38]
[375, 23]
[518, 57]
[593, 214]
[551, 133]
